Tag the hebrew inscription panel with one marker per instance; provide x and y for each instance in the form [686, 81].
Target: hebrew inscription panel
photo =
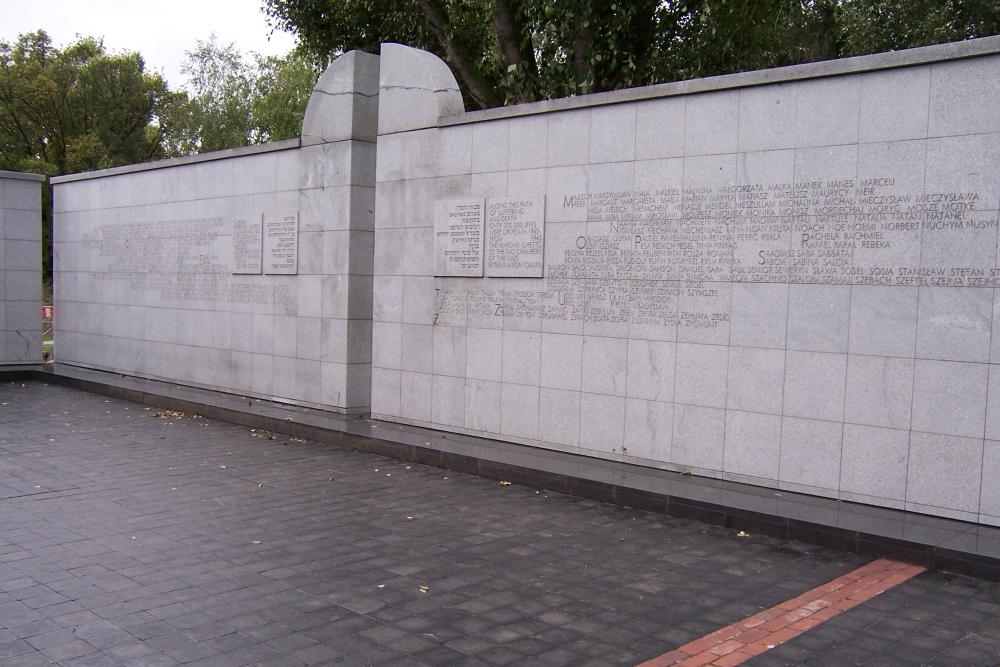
[458, 238]
[515, 237]
[281, 243]
[247, 248]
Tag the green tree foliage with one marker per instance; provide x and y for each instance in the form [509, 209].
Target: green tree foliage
[74, 109]
[507, 51]
[238, 100]
[887, 25]
[80, 108]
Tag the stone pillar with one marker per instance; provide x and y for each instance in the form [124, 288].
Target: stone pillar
[416, 88]
[339, 131]
[20, 268]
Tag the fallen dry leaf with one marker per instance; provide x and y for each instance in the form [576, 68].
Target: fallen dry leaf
[168, 414]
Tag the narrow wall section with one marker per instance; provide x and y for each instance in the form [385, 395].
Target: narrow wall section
[246, 271]
[20, 268]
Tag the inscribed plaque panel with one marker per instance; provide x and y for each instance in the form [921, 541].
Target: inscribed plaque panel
[458, 238]
[247, 246]
[515, 237]
[281, 243]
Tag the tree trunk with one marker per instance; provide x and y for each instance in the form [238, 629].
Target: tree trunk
[582, 67]
[480, 90]
[509, 32]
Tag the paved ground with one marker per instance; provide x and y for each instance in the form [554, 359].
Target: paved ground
[137, 537]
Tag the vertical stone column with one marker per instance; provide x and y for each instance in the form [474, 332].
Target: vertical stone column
[339, 132]
[20, 268]
[415, 89]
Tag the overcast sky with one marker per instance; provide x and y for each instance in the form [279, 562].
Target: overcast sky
[161, 31]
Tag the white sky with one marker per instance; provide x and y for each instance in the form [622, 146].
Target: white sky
[161, 30]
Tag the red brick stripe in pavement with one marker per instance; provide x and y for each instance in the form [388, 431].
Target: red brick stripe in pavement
[755, 634]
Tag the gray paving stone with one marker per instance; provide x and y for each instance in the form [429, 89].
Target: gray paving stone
[246, 552]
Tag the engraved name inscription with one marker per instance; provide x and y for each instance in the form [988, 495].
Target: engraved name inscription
[669, 257]
[177, 263]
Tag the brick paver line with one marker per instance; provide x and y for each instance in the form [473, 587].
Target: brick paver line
[738, 642]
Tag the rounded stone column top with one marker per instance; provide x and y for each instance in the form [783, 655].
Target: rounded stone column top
[344, 103]
[416, 88]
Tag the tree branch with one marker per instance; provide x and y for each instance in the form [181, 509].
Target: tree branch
[509, 32]
[582, 67]
[480, 90]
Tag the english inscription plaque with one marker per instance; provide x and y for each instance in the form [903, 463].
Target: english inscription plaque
[281, 243]
[458, 238]
[247, 246]
[515, 237]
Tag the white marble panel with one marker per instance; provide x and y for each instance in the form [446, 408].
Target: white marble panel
[827, 111]
[559, 416]
[605, 365]
[519, 410]
[648, 429]
[701, 375]
[698, 438]
[765, 115]
[810, 455]
[814, 385]
[613, 133]
[948, 398]
[415, 398]
[712, 123]
[562, 361]
[945, 472]
[448, 408]
[602, 422]
[482, 405]
[490, 146]
[755, 380]
[752, 445]
[879, 391]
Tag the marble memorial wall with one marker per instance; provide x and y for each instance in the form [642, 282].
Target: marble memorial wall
[20, 268]
[246, 271]
[792, 284]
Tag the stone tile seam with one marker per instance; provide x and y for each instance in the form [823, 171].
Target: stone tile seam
[683, 156]
[684, 403]
[707, 473]
[727, 475]
[916, 336]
